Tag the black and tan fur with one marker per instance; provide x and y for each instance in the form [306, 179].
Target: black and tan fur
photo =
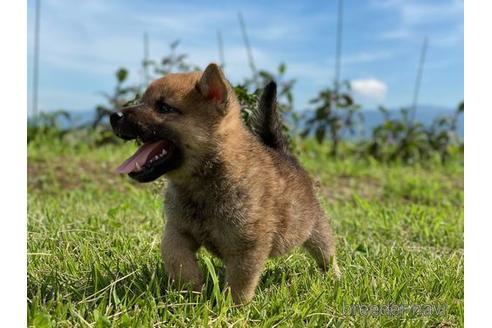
[240, 195]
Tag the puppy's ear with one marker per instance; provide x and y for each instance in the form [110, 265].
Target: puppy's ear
[213, 85]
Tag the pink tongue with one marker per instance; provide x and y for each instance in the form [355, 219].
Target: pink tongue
[140, 157]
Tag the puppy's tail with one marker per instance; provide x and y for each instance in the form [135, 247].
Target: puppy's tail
[267, 123]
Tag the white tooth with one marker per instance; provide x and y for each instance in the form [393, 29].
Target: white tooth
[137, 166]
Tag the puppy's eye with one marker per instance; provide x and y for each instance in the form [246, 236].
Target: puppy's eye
[164, 108]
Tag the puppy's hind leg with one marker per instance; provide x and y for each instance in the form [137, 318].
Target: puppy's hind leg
[321, 245]
[179, 255]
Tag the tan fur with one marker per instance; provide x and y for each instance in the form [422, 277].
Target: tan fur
[233, 195]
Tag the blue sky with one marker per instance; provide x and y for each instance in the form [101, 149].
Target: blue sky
[84, 42]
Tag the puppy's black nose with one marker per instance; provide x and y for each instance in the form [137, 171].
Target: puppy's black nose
[115, 117]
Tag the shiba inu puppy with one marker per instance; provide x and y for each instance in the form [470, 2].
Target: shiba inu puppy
[239, 194]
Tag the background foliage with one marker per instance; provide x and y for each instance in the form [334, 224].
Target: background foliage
[334, 116]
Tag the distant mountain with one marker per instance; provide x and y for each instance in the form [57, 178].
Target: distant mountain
[77, 119]
[425, 114]
[372, 117]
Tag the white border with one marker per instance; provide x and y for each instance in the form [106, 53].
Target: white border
[13, 238]
[478, 124]
[478, 162]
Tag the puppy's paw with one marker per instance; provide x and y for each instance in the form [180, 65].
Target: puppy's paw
[337, 273]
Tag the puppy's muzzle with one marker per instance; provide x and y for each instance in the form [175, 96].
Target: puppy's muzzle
[123, 125]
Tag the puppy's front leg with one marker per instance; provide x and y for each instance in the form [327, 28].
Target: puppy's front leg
[242, 274]
[179, 255]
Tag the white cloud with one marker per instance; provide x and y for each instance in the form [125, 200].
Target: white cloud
[395, 34]
[415, 19]
[370, 89]
[422, 12]
[366, 57]
[95, 40]
[82, 46]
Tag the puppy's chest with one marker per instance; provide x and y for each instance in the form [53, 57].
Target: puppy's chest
[214, 216]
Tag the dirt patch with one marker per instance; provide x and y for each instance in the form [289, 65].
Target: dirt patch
[344, 187]
[66, 173]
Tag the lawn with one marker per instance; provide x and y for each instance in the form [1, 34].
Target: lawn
[94, 258]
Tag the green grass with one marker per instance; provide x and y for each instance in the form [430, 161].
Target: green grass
[94, 259]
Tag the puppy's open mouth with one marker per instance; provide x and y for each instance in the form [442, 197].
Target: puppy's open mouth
[149, 157]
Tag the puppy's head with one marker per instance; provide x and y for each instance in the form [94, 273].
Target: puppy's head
[175, 121]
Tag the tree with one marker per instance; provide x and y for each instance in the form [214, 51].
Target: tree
[121, 96]
[443, 132]
[334, 113]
